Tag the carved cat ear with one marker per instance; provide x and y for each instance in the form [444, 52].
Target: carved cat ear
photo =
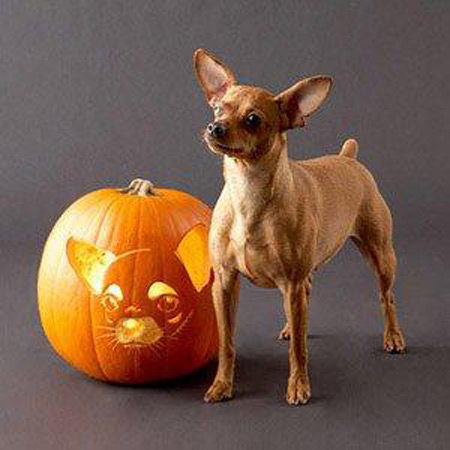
[192, 251]
[89, 262]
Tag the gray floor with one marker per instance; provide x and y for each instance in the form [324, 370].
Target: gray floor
[362, 398]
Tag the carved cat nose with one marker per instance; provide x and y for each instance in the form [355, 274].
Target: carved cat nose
[217, 130]
[138, 330]
[134, 327]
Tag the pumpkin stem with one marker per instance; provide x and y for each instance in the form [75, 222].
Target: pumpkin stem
[140, 187]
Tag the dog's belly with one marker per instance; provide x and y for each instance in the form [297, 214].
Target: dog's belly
[265, 263]
[323, 255]
[332, 237]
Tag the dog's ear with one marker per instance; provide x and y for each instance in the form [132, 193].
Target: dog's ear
[302, 99]
[215, 78]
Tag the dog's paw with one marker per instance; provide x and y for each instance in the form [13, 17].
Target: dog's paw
[298, 391]
[219, 391]
[285, 333]
[394, 342]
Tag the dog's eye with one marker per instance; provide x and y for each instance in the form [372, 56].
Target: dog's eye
[252, 120]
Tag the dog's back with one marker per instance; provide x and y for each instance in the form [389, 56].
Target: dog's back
[347, 200]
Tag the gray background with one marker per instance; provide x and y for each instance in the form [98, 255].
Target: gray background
[94, 93]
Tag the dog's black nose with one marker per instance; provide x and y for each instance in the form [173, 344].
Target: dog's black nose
[216, 130]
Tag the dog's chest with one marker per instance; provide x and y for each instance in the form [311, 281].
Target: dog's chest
[257, 236]
[256, 252]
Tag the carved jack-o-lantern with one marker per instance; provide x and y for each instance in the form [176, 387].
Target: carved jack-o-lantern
[124, 285]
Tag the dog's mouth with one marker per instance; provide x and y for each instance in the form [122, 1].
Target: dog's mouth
[223, 149]
[228, 150]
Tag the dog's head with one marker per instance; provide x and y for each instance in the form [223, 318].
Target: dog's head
[248, 119]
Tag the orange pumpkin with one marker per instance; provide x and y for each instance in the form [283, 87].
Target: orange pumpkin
[124, 285]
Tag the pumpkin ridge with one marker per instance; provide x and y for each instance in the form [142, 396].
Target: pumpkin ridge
[171, 220]
[99, 229]
[118, 225]
[185, 226]
[139, 228]
[53, 289]
[162, 260]
[175, 228]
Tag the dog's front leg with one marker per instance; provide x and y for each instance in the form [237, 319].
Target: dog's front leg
[225, 296]
[296, 308]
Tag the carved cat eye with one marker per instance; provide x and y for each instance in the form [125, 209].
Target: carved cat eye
[165, 296]
[114, 290]
[159, 289]
[167, 303]
[110, 303]
[111, 297]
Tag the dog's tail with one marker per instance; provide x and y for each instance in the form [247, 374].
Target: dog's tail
[349, 149]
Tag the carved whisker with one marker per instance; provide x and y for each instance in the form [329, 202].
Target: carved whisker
[154, 350]
[116, 343]
[182, 326]
[106, 335]
[170, 337]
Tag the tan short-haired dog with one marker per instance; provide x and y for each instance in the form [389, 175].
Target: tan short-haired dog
[278, 220]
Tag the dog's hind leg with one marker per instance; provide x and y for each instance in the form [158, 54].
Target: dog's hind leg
[381, 256]
[285, 333]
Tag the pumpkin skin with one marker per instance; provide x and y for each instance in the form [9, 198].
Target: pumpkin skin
[124, 285]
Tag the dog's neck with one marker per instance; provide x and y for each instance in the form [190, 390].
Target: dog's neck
[252, 184]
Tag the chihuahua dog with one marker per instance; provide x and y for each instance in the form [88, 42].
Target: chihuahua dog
[278, 220]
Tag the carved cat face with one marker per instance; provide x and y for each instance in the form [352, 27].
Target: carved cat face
[140, 299]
